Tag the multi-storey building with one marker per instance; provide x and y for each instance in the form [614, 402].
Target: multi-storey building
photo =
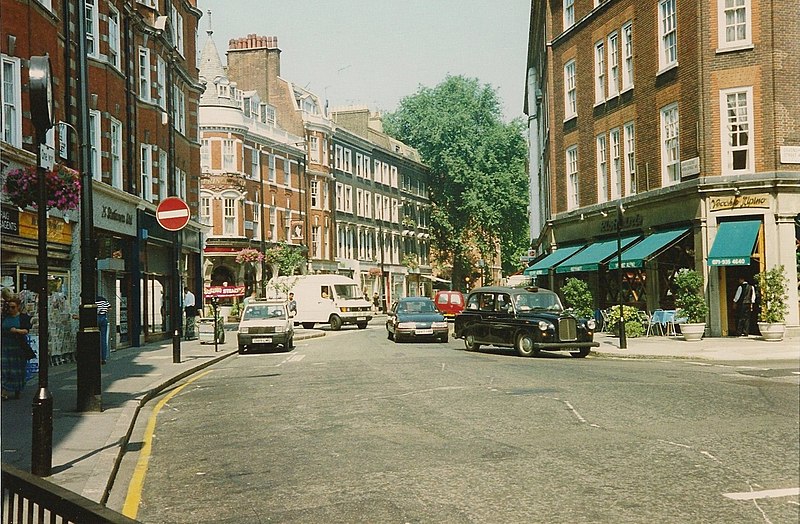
[253, 185]
[142, 93]
[382, 208]
[678, 115]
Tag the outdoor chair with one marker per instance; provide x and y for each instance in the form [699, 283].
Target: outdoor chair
[656, 321]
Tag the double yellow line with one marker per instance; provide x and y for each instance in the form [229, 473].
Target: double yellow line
[134, 496]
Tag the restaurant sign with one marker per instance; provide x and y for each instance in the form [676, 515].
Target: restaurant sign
[738, 201]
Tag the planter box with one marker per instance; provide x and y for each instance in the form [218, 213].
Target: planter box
[693, 332]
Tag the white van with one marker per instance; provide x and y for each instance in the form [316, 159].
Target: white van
[325, 299]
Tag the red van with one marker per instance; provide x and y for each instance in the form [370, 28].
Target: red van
[449, 303]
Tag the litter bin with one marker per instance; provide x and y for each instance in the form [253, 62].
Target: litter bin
[205, 330]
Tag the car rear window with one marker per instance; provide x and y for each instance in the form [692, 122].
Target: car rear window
[455, 298]
[442, 298]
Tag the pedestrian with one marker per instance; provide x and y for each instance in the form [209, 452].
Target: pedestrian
[102, 323]
[15, 328]
[375, 302]
[743, 301]
[291, 305]
[190, 309]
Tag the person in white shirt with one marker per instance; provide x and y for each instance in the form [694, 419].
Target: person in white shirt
[743, 300]
[190, 308]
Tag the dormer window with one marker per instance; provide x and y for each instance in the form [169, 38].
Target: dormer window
[223, 91]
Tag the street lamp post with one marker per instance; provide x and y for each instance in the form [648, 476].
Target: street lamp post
[623, 341]
[41, 93]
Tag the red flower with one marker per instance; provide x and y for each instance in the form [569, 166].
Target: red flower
[63, 187]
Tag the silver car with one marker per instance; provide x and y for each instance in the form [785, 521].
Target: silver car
[265, 324]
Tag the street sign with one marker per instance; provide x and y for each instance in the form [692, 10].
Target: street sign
[173, 214]
[47, 157]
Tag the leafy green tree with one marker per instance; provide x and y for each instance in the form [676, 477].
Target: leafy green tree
[578, 296]
[479, 187]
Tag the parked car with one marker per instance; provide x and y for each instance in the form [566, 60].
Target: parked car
[527, 319]
[449, 303]
[265, 324]
[415, 318]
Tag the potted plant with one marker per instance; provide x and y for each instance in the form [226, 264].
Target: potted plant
[633, 325]
[773, 287]
[691, 304]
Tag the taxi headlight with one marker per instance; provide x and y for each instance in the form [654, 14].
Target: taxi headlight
[544, 325]
[438, 324]
[407, 325]
[590, 324]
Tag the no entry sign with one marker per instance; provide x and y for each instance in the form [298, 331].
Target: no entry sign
[173, 214]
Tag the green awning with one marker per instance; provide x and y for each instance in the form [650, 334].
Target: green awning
[542, 267]
[590, 258]
[635, 255]
[734, 243]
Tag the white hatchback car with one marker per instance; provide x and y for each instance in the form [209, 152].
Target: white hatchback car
[265, 324]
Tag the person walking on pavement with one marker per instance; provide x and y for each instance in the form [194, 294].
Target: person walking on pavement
[14, 360]
[375, 302]
[291, 305]
[102, 323]
[190, 308]
[743, 300]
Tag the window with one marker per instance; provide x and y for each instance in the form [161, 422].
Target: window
[161, 73]
[228, 155]
[613, 64]
[95, 135]
[367, 168]
[627, 56]
[163, 174]
[273, 223]
[257, 218]
[179, 110]
[12, 101]
[599, 72]
[734, 23]
[630, 158]
[570, 99]
[359, 165]
[229, 216]
[177, 29]
[378, 207]
[113, 37]
[255, 163]
[315, 243]
[205, 155]
[616, 164]
[348, 161]
[116, 153]
[670, 146]
[393, 172]
[338, 157]
[339, 196]
[602, 169]
[287, 172]
[205, 209]
[146, 191]
[144, 73]
[737, 142]
[181, 183]
[377, 170]
[667, 35]
[325, 153]
[395, 211]
[348, 199]
[314, 190]
[313, 145]
[385, 178]
[569, 14]
[360, 202]
[271, 169]
[367, 204]
[270, 117]
[92, 29]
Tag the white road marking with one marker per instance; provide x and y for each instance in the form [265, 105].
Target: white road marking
[765, 494]
[291, 358]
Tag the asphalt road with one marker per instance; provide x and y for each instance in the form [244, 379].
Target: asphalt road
[355, 428]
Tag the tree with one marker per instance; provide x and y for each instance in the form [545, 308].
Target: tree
[287, 259]
[479, 187]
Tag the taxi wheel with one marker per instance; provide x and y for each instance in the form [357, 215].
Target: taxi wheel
[580, 354]
[470, 343]
[336, 323]
[524, 345]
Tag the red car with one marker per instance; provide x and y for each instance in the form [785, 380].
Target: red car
[449, 303]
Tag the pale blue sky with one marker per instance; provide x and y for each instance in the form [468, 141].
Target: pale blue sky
[362, 52]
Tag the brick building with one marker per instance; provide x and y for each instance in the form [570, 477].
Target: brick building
[253, 183]
[678, 114]
[142, 93]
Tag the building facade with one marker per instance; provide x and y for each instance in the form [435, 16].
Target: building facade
[142, 93]
[382, 209]
[666, 125]
[253, 182]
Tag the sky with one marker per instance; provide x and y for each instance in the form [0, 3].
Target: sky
[375, 52]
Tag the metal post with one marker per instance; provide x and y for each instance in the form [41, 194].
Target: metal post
[42, 438]
[87, 353]
[215, 302]
[623, 340]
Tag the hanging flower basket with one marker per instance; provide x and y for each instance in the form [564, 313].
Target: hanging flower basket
[21, 187]
[249, 255]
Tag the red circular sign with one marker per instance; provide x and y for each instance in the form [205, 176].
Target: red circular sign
[173, 214]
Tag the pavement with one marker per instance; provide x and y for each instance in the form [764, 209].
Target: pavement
[88, 447]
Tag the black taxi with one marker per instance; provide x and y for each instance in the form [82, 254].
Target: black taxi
[527, 319]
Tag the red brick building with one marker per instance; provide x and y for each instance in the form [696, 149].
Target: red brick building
[681, 112]
[143, 96]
